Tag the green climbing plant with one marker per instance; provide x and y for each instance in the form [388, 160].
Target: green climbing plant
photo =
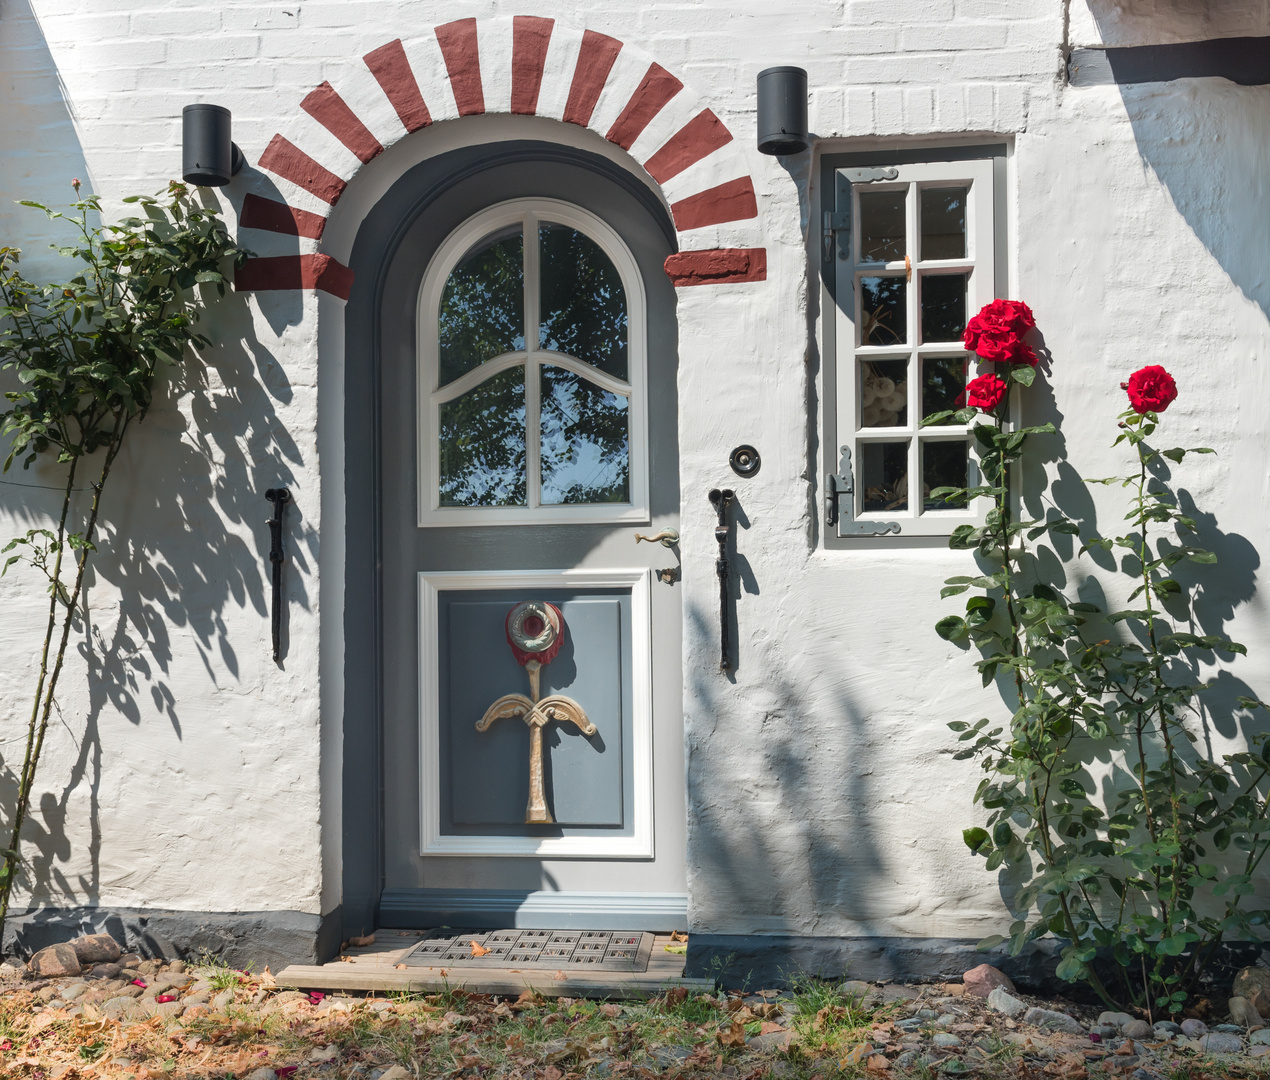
[85, 353]
[1119, 832]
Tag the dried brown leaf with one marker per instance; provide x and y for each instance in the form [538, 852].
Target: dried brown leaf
[732, 1035]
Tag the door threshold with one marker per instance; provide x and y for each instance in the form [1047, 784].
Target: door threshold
[382, 967]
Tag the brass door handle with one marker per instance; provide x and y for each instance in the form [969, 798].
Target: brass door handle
[667, 538]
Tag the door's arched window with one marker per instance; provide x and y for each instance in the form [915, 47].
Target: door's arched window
[532, 371]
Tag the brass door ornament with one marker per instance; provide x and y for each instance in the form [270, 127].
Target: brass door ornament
[535, 631]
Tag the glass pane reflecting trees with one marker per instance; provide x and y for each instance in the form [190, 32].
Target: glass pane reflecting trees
[550, 424]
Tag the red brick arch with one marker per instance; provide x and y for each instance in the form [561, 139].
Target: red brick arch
[524, 65]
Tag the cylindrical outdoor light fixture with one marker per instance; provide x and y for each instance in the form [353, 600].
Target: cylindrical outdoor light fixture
[782, 111]
[208, 154]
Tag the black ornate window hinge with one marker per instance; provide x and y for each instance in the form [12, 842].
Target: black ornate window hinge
[840, 504]
[279, 497]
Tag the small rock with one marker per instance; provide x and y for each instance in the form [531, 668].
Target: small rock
[913, 1023]
[1054, 1021]
[71, 992]
[1135, 1029]
[1117, 1018]
[1105, 1031]
[1222, 1042]
[899, 992]
[665, 1056]
[379, 1005]
[925, 1015]
[121, 1008]
[773, 1040]
[982, 980]
[1258, 1051]
[177, 966]
[945, 1040]
[855, 990]
[324, 1053]
[1228, 1029]
[96, 949]
[1249, 981]
[1167, 1026]
[105, 971]
[1193, 1029]
[944, 1020]
[1260, 1037]
[906, 1060]
[224, 998]
[1242, 1012]
[47, 993]
[196, 1011]
[129, 959]
[263, 1073]
[149, 967]
[56, 961]
[1004, 1002]
[395, 1073]
[954, 989]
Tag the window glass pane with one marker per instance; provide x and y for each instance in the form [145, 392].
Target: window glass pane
[483, 307]
[482, 443]
[881, 226]
[884, 475]
[884, 393]
[944, 223]
[585, 441]
[883, 311]
[944, 464]
[943, 306]
[583, 305]
[943, 378]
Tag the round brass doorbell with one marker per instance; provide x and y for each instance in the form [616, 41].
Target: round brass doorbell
[745, 460]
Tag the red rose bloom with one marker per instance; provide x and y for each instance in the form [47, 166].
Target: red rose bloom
[996, 333]
[1151, 389]
[985, 392]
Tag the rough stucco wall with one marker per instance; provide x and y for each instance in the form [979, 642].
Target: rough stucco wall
[820, 799]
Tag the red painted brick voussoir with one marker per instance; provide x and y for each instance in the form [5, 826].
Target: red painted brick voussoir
[530, 38]
[283, 158]
[331, 111]
[461, 52]
[717, 266]
[295, 272]
[391, 68]
[270, 215]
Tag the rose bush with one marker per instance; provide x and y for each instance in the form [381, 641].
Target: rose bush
[996, 334]
[1117, 830]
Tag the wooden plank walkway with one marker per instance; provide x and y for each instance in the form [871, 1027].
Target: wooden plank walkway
[374, 967]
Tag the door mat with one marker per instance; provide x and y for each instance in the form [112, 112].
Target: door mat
[593, 950]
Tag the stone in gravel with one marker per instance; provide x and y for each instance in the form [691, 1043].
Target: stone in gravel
[149, 967]
[1162, 1026]
[906, 1060]
[105, 971]
[1105, 1031]
[120, 1008]
[773, 1040]
[1249, 981]
[925, 1014]
[71, 992]
[47, 993]
[1193, 1029]
[1260, 1037]
[1117, 1018]
[196, 1011]
[263, 1073]
[1242, 1012]
[324, 1053]
[1258, 1051]
[56, 961]
[1222, 1042]
[221, 1000]
[1004, 1002]
[911, 1024]
[945, 1040]
[1054, 1021]
[982, 980]
[177, 966]
[96, 949]
[945, 1020]
[1228, 1029]
[129, 959]
[899, 992]
[954, 989]
[855, 990]
[1136, 1029]
[169, 1010]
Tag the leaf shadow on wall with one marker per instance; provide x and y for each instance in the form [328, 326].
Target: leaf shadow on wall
[183, 541]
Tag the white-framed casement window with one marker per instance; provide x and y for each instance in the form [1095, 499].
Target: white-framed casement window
[532, 372]
[913, 253]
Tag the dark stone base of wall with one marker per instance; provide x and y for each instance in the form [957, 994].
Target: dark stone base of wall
[755, 961]
[243, 939]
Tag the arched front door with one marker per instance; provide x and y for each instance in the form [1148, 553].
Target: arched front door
[530, 682]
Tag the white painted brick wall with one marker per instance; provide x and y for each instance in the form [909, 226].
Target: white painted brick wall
[825, 749]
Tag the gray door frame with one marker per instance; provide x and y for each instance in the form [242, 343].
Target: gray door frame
[379, 237]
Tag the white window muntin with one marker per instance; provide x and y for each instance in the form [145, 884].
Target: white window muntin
[979, 265]
[529, 213]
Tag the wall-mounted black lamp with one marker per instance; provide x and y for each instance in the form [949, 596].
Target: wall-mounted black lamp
[782, 111]
[209, 156]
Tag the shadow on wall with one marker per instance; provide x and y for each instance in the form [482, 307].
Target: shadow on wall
[776, 833]
[182, 541]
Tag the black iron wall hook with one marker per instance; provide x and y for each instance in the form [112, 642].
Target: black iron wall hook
[722, 503]
[279, 497]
